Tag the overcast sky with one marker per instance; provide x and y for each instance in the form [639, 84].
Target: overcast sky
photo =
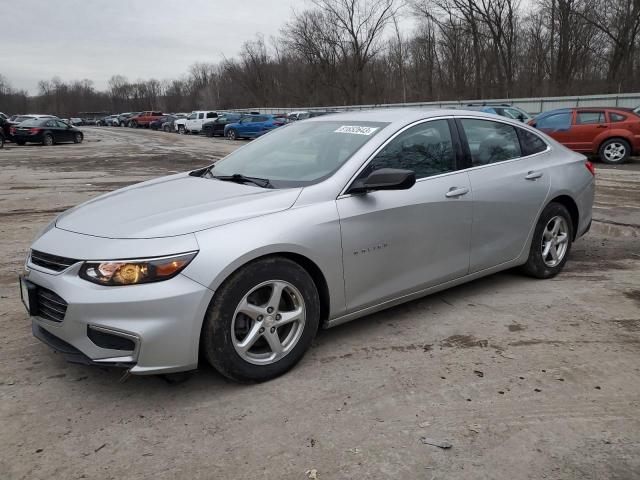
[95, 39]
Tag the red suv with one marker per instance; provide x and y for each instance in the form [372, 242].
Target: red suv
[143, 119]
[611, 133]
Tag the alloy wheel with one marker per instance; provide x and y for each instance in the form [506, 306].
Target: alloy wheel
[615, 151]
[268, 322]
[555, 241]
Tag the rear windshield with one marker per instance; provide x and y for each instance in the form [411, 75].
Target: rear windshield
[22, 118]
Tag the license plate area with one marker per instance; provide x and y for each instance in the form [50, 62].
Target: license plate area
[28, 296]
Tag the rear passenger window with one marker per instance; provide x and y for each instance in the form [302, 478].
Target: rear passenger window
[616, 117]
[211, 115]
[426, 149]
[530, 142]
[490, 142]
[587, 118]
[200, 116]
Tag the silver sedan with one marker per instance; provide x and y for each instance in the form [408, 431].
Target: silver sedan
[315, 224]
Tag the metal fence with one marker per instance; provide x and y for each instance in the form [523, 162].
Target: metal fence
[532, 105]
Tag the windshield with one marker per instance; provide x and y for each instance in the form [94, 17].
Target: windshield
[299, 154]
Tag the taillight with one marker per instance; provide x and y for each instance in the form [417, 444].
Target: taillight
[590, 167]
[34, 130]
[12, 130]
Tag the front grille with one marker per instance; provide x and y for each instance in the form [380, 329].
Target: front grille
[50, 305]
[51, 262]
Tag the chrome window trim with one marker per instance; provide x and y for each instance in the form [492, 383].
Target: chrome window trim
[343, 193]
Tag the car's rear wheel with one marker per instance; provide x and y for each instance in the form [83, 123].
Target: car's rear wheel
[166, 128]
[208, 133]
[77, 138]
[551, 242]
[615, 150]
[232, 134]
[261, 320]
[20, 142]
[47, 140]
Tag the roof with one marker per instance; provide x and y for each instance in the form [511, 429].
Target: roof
[398, 115]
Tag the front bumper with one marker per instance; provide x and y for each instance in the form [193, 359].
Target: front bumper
[160, 321]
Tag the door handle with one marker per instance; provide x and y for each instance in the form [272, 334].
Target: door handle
[533, 175]
[455, 192]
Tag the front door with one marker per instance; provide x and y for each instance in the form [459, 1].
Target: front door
[398, 242]
[510, 183]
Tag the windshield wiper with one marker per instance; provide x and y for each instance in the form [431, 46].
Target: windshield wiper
[239, 178]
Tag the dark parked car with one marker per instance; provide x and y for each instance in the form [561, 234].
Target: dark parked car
[157, 123]
[169, 124]
[216, 127]
[46, 131]
[3, 125]
[123, 118]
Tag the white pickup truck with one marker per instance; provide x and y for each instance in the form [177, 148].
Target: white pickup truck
[193, 123]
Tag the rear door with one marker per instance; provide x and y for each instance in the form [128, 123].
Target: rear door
[398, 242]
[509, 179]
[587, 125]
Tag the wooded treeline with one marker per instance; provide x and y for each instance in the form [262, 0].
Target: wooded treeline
[346, 52]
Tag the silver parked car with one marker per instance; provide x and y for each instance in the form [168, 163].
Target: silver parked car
[314, 224]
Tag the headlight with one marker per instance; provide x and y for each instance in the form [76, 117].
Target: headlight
[133, 272]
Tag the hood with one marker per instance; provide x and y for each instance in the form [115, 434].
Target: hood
[174, 205]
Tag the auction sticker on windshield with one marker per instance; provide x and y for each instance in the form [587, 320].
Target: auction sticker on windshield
[356, 130]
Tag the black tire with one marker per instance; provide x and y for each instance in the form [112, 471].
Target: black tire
[208, 133]
[166, 129]
[20, 142]
[536, 266]
[1, 141]
[232, 134]
[620, 145]
[216, 341]
[182, 130]
[78, 137]
[47, 140]
[133, 124]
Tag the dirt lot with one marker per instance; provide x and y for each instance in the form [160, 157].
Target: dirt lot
[526, 379]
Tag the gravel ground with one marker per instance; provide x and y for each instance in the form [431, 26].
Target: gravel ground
[525, 378]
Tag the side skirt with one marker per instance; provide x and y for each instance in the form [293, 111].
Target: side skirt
[421, 293]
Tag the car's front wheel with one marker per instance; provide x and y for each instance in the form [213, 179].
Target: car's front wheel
[232, 134]
[551, 242]
[261, 320]
[77, 138]
[614, 150]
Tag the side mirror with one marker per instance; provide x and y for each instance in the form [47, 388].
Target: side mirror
[521, 117]
[385, 179]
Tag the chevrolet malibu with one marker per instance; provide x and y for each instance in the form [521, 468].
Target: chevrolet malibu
[315, 224]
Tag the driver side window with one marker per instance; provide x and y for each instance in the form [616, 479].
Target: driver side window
[426, 149]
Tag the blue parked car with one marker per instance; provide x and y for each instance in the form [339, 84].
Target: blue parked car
[253, 126]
